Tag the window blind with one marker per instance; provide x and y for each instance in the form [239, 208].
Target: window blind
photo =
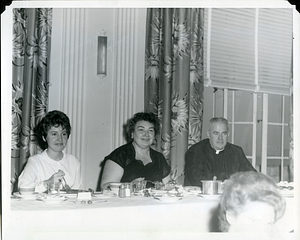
[248, 49]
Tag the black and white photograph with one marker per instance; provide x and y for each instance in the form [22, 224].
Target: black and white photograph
[150, 120]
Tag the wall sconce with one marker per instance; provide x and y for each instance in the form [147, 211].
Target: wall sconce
[102, 56]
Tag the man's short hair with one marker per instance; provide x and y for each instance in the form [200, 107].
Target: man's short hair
[218, 120]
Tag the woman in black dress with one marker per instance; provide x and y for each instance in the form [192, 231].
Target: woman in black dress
[137, 159]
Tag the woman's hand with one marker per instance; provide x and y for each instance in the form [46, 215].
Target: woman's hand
[56, 177]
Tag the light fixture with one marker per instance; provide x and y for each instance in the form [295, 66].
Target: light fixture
[102, 56]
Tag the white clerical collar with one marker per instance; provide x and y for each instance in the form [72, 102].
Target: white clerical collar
[218, 151]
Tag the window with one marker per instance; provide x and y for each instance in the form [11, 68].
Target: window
[258, 122]
[249, 49]
[248, 61]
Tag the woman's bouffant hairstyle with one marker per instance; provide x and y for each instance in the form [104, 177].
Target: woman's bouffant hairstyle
[245, 187]
[141, 116]
[52, 119]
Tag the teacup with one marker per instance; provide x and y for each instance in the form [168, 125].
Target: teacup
[26, 190]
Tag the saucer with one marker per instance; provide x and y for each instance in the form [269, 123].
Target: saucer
[287, 194]
[158, 192]
[69, 195]
[212, 197]
[193, 190]
[54, 200]
[103, 195]
[166, 199]
[25, 196]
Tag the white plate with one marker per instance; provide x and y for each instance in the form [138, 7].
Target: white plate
[161, 192]
[194, 190]
[103, 195]
[166, 199]
[189, 188]
[213, 197]
[24, 196]
[287, 194]
[54, 200]
[69, 195]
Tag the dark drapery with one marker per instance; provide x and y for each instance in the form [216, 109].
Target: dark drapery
[174, 79]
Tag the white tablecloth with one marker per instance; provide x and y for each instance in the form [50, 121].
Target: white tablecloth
[116, 218]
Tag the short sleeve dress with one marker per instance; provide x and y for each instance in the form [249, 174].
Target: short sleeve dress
[134, 168]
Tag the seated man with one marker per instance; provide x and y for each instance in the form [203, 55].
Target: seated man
[214, 156]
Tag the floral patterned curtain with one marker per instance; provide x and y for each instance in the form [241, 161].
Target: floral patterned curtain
[174, 80]
[31, 50]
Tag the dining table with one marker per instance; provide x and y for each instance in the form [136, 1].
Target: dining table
[108, 216]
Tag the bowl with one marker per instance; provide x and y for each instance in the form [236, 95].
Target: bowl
[26, 190]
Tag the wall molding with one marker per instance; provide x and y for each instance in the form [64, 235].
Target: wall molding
[72, 77]
[124, 71]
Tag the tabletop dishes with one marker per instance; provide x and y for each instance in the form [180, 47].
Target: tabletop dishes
[138, 184]
[26, 190]
[104, 194]
[192, 190]
[114, 187]
[167, 198]
[53, 199]
[211, 187]
[69, 195]
[286, 194]
[210, 197]
[26, 196]
[286, 189]
[157, 192]
[171, 195]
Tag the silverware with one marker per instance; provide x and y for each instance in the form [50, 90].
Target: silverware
[66, 186]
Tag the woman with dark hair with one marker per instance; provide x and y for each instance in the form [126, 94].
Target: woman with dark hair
[53, 164]
[137, 159]
[251, 203]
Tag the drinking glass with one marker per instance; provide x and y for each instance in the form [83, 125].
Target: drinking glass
[54, 188]
[140, 185]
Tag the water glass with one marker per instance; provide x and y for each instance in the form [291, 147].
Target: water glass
[139, 185]
[54, 188]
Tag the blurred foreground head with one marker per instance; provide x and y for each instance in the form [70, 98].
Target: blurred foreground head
[250, 202]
